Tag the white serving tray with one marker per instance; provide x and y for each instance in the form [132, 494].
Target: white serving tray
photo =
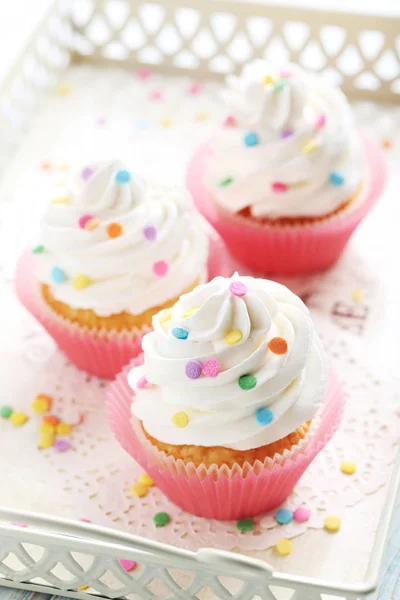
[56, 553]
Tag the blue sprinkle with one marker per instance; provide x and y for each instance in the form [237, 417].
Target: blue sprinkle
[57, 275]
[284, 516]
[122, 176]
[264, 416]
[251, 139]
[336, 178]
[179, 333]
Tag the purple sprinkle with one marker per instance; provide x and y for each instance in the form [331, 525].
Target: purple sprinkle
[87, 173]
[193, 369]
[150, 233]
[286, 132]
[62, 445]
[101, 121]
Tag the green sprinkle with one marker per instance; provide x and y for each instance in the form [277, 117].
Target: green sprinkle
[247, 382]
[38, 249]
[6, 412]
[226, 182]
[279, 85]
[245, 525]
[161, 519]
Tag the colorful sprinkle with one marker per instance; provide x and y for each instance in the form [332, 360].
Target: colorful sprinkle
[278, 345]
[357, 295]
[320, 121]
[145, 479]
[51, 420]
[309, 146]
[92, 224]
[190, 312]
[42, 403]
[247, 382]
[114, 230]
[47, 428]
[126, 564]
[301, 514]
[156, 95]
[63, 89]
[87, 173]
[285, 72]
[161, 519]
[268, 80]
[141, 383]
[160, 268]
[63, 200]
[38, 249]
[278, 187]
[165, 316]
[336, 178]
[264, 416]
[18, 524]
[85, 520]
[122, 176]
[101, 121]
[201, 116]
[18, 418]
[233, 337]
[144, 73]
[46, 441]
[348, 467]
[194, 88]
[180, 419]
[45, 165]
[62, 445]
[332, 524]
[83, 220]
[251, 139]
[225, 182]
[166, 122]
[230, 121]
[6, 412]
[245, 525]
[179, 333]
[286, 132]
[150, 233]
[279, 85]
[211, 367]
[139, 489]
[63, 429]
[80, 282]
[193, 369]
[387, 143]
[238, 288]
[82, 587]
[57, 275]
[284, 547]
[283, 516]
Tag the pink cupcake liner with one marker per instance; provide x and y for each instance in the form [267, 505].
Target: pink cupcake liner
[101, 353]
[222, 492]
[292, 249]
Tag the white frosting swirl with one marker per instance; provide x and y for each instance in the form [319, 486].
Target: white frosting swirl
[219, 410]
[121, 269]
[305, 134]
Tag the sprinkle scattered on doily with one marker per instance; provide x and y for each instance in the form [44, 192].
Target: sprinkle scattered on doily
[62, 445]
[332, 524]
[251, 139]
[284, 547]
[18, 418]
[357, 295]
[46, 441]
[301, 514]
[6, 412]
[283, 516]
[126, 564]
[247, 382]
[180, 419]
[245, 525]
[63, 429]
[139, 489]
[233, 337]
[161, 519]
[42, 403]
[348, 467]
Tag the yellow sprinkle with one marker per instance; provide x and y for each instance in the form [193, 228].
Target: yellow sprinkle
[63, 200]
[145, 479]
[267, 80]
[64, 167]
[81, 282]
[190, 312]
[63, 89]
[41, 404]
[47, 429]
[165, 315]
[18, 418]
[82, 587]
[63, 429]
[284, 547]
[309, 146]
[201, 116]
[357, 295]
[233, 337]
[139, 489]
[332, 524]
[45, 441]
[348, 467]
[166, 122]
[180, 419]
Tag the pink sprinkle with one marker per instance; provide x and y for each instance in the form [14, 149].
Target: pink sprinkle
[144, 73]
[278, 187]
[211, 367]
[286, 132]
[195, 88]
[17, 524]
[285, 73]
[83, 220]
[150, 233]
[62, 445]
[160, 268]
[301, 515]
[128, 565]
[142, 382]
[85, 520]
[87, 173]
[156, 95]
[321, 121]
[237, 288]
[230, 121]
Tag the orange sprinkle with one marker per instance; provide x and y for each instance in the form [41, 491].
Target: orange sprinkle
[278, 345]
[387, 143]
[114, 230]
[51, 420]
[45, 165]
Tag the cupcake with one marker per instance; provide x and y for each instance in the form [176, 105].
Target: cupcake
[112, 254]
[287, 178]
[232, 402]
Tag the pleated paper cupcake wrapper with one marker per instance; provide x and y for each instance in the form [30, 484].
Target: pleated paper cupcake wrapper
[219, 491]
[290, 249]
[102, 353]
